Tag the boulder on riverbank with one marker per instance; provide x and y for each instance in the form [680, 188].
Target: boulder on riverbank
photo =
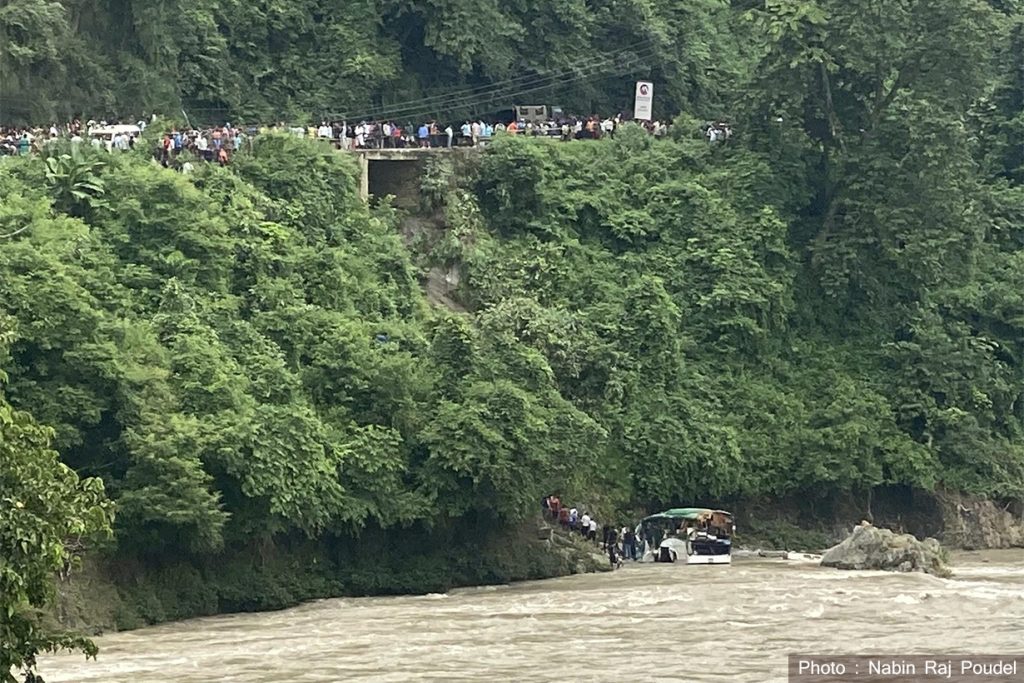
[869, 547]
[576, 555]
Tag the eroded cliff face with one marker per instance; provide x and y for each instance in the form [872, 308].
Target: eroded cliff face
[977, 524]
[958, 520]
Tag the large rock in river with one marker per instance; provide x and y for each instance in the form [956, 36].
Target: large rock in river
[869, 547]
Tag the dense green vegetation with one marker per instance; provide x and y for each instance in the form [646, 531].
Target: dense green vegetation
[831, 302]
[281, 59]
[245, 358]
[46, 516]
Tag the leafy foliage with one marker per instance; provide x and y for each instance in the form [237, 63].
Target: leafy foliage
[47, 515]
[74, 181]
[246, 354]
[827, 302]
[295, 59]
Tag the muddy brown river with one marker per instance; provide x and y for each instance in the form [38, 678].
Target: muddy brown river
[643, 622]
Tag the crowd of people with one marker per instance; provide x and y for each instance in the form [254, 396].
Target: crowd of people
[27, 140]
[717, 131]
[208, 143]
[470, 133]
[15, 142]
[182, 146]
[219, 143]
[178, 148]
[619, 542]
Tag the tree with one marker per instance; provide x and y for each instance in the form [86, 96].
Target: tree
[47, 516]
[75, 181]
[32, 35]
[877, 91]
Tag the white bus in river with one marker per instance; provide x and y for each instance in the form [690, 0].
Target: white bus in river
[690, 535]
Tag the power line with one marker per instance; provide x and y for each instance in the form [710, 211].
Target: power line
[470, 104]
[473, 96]
[415, 107]
[568, 76]
[501, 89]
[471, 90]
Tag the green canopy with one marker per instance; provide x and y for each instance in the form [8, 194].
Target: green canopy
[686, 513]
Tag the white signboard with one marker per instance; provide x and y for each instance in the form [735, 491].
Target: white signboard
[644, 100]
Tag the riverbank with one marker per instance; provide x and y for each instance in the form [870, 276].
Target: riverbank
[121, 594]
[116, 594]
[556, 630]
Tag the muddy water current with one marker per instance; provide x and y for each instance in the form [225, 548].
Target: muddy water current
[644, 622]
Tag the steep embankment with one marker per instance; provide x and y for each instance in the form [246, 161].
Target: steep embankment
[686, 300]
[249, 361]
[246, 358]
[679, 296]
[119, 593]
